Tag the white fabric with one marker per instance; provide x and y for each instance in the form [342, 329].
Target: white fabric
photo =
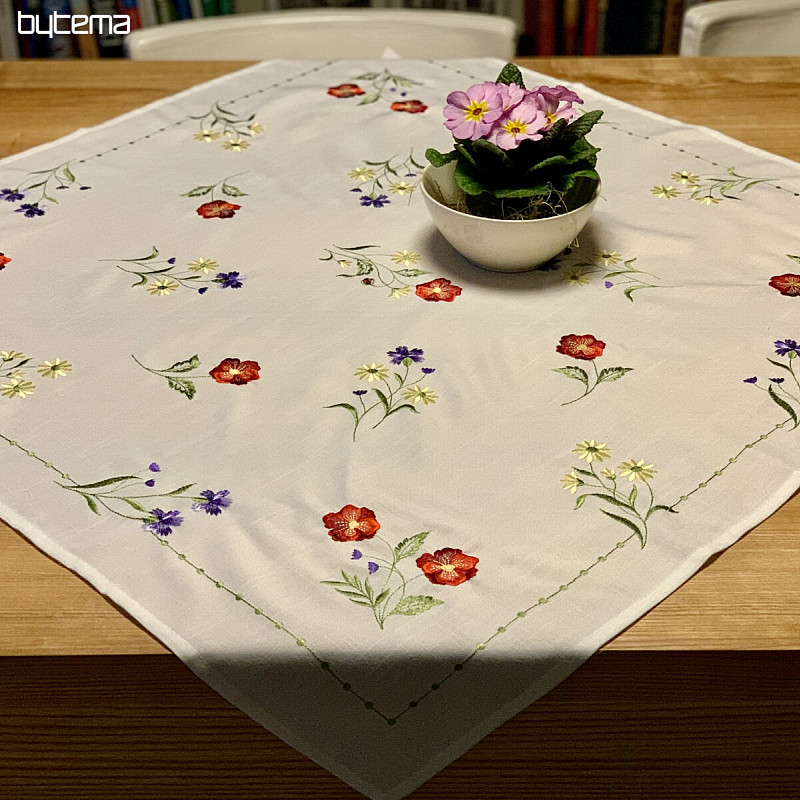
[480, 468]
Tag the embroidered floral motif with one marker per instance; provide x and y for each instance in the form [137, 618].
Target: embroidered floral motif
[708, 189]
[4, 259]
[446, 567]
[586, 348]
[219, 122]
[396, 176]
[388, 395]
[163, 277]
[629, 509]
[16, 369]
[182, 375]
[787, 284]
[577, 269]
[40, 186]
[384, 86]
[217, 209]
[374, 271]
[784, 394]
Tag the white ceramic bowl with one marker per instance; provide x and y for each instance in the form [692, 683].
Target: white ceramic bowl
[498, 244]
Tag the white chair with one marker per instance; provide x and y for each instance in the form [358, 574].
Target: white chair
[328, 34]
[742, 28]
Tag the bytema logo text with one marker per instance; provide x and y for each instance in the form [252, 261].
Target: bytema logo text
[78, 24]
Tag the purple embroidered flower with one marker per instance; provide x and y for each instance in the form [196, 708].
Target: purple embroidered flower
[372, 567]
[379, 202]
[203, 290]
[428, 370]
[360, 392]
[399, 353]
[214, 502]
[170, 261]
[151, 483]
[154, 467]
[84, 188]
[750, 380]
[777, 380]
[30, 210]
[228, 280]
[608, 284]
[356, 189]
[786, 347]
[163, 522]
[11, 195]
[356, 555]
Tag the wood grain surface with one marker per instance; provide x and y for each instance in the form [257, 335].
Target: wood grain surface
[91, 706]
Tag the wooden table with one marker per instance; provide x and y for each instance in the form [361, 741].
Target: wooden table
[91, 706]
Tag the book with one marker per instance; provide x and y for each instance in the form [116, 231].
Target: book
[183, 9]
[61, 45]
[571, 18]
[30, 45]
[9, 46]
[226, 7]
[634, 27]
[165, 12]
[210, 8]
[147, 13]
[673, 20]
[546, 28]
[591, 12]
[109, 43]
[130, 9]
[87, 45]
[602, 16]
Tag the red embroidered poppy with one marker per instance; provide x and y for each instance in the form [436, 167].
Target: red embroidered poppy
[218, 208]
[438, 289]
[4, 260]
[788, 284]
[586, 347]
[231, 370]
[346, 90]
[448, 567]
[412, 106]
[351, 524]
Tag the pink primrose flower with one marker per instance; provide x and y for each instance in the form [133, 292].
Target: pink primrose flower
[470, 114]
[550, 98]
[512, 94]
[524, 121]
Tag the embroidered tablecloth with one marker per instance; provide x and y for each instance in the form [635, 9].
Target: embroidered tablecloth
[376, 497]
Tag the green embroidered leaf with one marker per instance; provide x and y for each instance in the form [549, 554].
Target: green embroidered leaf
[51, 199]
[399, 408]
[778, 364]
[182, 385]
[412, 273]
[180, 490]
[133, 504]
[347, 407]
[184, 366]
[631, 289]
[415, 604]
[585, 472]
[353, 580]
[398, 377]
[351, 594]
[794, 258]
[381, 597]
[580, 501]
[232, 191]
[67, 172]
[369, 98]
[91, 502]
[382, 398]
[370, 592]
[107, 482]
[363, 267]
[354, 249]
[783, 404]
[610, 499]
[576, 373]
[440, 159]
[198, 191]
[660, 508]
[405, 82]
[612, 373]
[360, 602]
[409, 547]
[628, 524]
[510, 74]
[633, 495]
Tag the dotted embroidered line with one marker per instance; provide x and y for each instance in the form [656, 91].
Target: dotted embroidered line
[632, 133]
[31, 454]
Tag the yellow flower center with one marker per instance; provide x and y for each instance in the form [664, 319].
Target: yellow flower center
[448, 568]
[475, 110]
[353, 524]
[234, 371]
[515, 127]
[551, 116]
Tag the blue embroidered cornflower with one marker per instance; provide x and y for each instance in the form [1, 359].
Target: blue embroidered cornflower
[428, 370]
[163, 522]
[379, 202]
[360, 392]
[608, 284]
[399, 353]
[213, 503]
[787, 346]
[750, 380]
[777, 380]
[372, 567]
[203, 290]
[151, 483]
[11, 195]
[356, 555]
[228, 280]
[30, 210]
[154, 467]
[170, 261]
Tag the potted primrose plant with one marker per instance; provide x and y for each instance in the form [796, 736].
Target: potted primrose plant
[520, 182]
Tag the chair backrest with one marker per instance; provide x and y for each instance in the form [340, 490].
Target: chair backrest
[742, 28]
[328, 34]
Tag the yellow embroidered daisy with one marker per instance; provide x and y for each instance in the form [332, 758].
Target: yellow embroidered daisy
[18, 387]
[362, 174]
[686, 178]
[400, 291]
[255, 128]
[665, 191]
[406, 257]
[592, 451]
[236, 145]
[204, 265]
[54, 369]
[162, 287]
[609, 258]
[372, 372]
[10, 355]
[571, 482]
[636, 470]
[709, 200]
[206, 135]
[609, 473]
[576, 277]
[418, 394]
[401, 188]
